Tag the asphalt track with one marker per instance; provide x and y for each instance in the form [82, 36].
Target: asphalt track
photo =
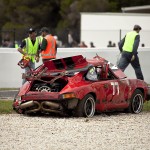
[8, 94]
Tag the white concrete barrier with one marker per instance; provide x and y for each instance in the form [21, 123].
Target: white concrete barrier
[11, 73]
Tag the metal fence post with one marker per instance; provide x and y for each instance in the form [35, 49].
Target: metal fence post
[120, 35]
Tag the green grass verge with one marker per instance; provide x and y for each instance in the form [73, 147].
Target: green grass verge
[6, 107]
[7, 89]
[146, 106]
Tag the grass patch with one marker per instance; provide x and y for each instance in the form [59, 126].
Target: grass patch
[146, 106]
[7, 89]
[6, 107]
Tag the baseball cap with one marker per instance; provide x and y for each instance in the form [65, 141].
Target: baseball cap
[137, 27]
[31, 30]
[44, 29]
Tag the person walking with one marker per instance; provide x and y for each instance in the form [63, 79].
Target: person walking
[70, 39]
[49, 46]
[29, 48]
[129, 55]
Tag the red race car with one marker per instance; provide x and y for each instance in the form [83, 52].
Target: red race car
[77, 86]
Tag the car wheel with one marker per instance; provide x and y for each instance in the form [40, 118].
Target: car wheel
[136, 102]
[85, 107]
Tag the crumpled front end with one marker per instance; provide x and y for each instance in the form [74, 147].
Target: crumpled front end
[44, 90]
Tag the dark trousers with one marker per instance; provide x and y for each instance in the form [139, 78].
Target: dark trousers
[125, 60]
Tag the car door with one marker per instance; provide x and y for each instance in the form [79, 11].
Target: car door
[116, 93]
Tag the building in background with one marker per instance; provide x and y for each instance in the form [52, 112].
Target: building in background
[103, 27]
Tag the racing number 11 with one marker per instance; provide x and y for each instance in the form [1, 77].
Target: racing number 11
[115, 88]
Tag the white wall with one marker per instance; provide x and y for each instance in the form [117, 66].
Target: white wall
[10, 72]
[102, 27]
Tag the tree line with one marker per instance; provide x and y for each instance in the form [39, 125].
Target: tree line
[59, 15]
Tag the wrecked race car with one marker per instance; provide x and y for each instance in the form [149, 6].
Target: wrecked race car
[79, 87]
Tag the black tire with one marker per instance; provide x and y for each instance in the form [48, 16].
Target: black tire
[136, 102]
[85, 107]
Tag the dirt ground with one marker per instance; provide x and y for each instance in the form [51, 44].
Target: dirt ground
[118, 131]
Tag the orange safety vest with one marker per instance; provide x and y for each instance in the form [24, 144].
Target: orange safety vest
[50, 51]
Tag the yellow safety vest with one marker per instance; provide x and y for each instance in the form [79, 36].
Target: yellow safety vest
[40, 38]
[16, 45]
[129, 41]
[30, 49]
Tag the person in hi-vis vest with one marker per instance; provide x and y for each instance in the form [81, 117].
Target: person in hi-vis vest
[29, 48]
[49, 46]
[129, 55]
